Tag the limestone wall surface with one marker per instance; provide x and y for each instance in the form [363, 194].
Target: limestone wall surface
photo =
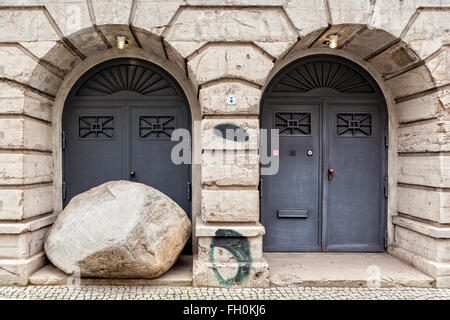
[231, 47]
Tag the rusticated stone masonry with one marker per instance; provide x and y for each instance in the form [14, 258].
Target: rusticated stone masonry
[226, 48]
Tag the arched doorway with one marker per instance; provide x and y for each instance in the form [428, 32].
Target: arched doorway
[117, 123]
[331, 188]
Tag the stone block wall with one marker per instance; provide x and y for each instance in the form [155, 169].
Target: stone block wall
[420, 86]
[227, 48]
[230, 52]
[411, 59]
[26, 162]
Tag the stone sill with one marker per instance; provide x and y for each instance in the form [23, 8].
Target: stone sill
[17, 271]
[27, 225]
[179, 275]
[422, 227]
[430, 267]
[204, 229]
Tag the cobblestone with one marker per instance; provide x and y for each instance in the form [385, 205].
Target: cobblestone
[198, 293]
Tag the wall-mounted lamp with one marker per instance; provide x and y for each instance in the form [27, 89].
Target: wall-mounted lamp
[332, 40]
[121, 42]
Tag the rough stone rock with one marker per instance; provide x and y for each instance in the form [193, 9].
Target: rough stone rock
[119, 229]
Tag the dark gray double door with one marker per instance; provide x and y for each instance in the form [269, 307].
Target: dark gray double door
[108, 140]
[328, 194]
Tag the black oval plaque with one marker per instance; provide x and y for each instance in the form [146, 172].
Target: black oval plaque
[231, 132]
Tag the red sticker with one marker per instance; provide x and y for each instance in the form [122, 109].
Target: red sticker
[276, 152]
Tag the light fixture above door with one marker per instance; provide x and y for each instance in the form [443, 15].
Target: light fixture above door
[332, 40]
[121, 42]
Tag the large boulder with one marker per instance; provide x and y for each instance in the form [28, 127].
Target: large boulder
[119, 229]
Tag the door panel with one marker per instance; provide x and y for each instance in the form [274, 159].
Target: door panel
[105, 141]
[290, 205]
[301, 209]
[352, 214]
[151, 148]
[94, 138]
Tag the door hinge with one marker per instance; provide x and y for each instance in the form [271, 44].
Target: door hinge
[63, 140]
[189, 190]
[386, 137]
[385, 239]
[385, 187]
[260, 187]
[64, 190]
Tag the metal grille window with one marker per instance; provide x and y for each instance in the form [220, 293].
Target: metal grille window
[323, 74]
[156, 127]
[354, 124]
[292, 123]
[95, 127]
[126, 77]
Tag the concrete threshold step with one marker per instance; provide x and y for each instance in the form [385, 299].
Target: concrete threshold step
[286, 269]
[179, 275]
[327, 269]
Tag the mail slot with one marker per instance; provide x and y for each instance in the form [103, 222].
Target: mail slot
[292, 213]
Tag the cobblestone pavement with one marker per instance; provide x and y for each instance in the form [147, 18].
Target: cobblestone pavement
[195, 293]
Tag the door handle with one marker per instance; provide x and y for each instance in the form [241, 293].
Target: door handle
[132, 173]
[330, 174]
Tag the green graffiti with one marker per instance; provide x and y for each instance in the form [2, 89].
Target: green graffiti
[239, 247]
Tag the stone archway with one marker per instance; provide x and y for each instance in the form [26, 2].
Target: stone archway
[87, 64]
[172, 63]
[415, 92]
[392, 121]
